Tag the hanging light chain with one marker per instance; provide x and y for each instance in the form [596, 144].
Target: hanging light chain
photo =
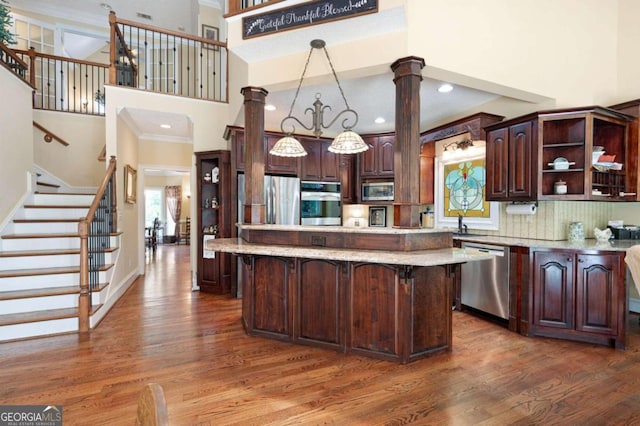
[300, 82]
[344, 98]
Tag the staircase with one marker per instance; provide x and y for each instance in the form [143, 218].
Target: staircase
[40, 266]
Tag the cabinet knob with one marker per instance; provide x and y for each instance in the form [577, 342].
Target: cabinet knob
[569, 259]
[580, 260]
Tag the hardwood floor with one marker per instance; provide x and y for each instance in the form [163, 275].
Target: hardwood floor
[213, 374]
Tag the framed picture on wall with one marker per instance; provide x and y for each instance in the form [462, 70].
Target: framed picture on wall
[130, 176]
[210, 33]
[378, 216]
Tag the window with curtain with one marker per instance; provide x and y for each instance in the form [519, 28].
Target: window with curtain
[173, 196]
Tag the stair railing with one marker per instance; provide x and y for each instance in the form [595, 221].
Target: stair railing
[65, 84]
[164, 61]
[241, 6]
[12, 62]
[95, 232]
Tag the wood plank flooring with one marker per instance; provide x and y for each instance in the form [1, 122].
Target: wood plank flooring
[213, 374]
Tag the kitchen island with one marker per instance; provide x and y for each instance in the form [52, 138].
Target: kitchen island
[385, 293]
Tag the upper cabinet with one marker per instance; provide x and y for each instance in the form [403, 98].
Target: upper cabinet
[549, 155]
[510, 164]
[274, 164]
[633, 147]
[377, 161]
[319, 164]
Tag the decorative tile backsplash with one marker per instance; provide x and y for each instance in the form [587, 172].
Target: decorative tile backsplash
[551, 221]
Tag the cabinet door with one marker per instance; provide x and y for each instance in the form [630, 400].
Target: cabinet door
[553, 287]
[497, 164]
[347, 179]
[320, 313]
[520, 163]
[270, 295]
[330, 164]
[367, 159]
[312, 162]
[597, 293]
[238, 149]
[427, 172]
[385, 153]
[276, 164]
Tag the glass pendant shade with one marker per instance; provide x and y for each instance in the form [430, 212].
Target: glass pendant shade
[288, 146]
[348, 142]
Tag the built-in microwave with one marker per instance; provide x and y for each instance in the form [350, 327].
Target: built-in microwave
[377, 191]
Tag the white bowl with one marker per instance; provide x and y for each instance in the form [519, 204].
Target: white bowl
[561, 163]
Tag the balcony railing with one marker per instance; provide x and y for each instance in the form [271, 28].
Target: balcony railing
[141, 57]
[64, 84]
[164, 61]
[240, 6]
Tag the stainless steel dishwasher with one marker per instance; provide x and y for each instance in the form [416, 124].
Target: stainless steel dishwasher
[484, 284]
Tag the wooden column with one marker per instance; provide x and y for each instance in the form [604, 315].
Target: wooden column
[406, 207]
[254, 100]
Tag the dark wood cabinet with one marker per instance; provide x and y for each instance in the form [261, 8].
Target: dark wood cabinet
[274, 164]
[632, 175]
[319, 164]
[521, 153]
[579, 296]
[321, 290]
[511, 162]
[348, 178]
[378, 160]
[213, 171]
[270, 297]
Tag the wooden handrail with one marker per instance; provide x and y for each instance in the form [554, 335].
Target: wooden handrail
[48, 135]
[11, 53]
[84, 302]
[33, 52]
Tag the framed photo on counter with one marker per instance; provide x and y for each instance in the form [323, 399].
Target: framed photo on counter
[378, 216]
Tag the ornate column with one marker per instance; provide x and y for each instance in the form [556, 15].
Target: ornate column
[254, 100]
[406, 206]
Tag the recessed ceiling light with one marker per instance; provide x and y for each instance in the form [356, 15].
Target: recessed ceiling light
[270, 107]
[380, 120]
[445, 88]
[165, 126]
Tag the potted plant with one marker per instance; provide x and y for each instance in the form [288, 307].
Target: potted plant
[5, 23]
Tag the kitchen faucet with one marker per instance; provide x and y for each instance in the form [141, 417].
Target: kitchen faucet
[462, 228]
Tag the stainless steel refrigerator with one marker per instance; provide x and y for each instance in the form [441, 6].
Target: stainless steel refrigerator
[281, 199]
[282, 205]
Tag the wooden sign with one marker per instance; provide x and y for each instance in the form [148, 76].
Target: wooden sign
[305, 14]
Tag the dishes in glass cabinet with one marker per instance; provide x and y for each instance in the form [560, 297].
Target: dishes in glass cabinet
[561, 163]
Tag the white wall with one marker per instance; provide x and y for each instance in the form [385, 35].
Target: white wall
[85, 135]
[16, 141]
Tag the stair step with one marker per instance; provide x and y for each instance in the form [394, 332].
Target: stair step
[52, 252]
[37, 316]
[38, 292]
[46, 220]
[46, 271]
[18, 236]
[47, 184]
[44, 292]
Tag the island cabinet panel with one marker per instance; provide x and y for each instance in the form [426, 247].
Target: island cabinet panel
[579, 296]
[270, 296]
[553, 287]
[431, 318]
[597, 293]
[374, 309]
[321, 302]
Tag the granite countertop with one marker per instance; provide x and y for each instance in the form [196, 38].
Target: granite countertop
[415, 258]
[587, 244]
[344, 229]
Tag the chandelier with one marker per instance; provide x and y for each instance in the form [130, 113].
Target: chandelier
[347, 142]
